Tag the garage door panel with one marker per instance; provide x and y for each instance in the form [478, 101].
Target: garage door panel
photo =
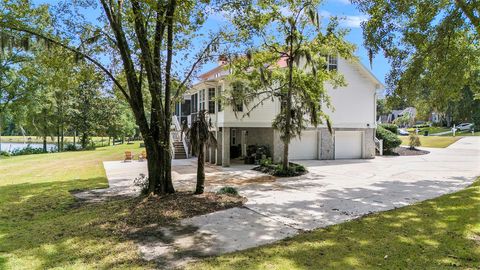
[348, 144]
[304, 147]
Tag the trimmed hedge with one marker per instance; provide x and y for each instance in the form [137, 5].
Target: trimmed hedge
[390, 127]
[390, 139]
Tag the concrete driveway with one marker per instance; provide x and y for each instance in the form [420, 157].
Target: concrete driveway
[333, 192]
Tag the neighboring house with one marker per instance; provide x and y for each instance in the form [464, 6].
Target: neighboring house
[435, 118]
[389, 118]
[353, 119]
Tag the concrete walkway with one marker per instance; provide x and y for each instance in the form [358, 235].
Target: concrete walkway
[333, 192]
[442, 133]
[121, 176]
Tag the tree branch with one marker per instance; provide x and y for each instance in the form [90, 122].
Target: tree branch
[95, 62]
[470, 14]
[195, 64]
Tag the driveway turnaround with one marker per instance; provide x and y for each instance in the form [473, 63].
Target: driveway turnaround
[332, 192]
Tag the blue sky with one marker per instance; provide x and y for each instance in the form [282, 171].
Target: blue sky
[351, 19]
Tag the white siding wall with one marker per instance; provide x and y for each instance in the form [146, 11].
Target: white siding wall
[354, 105]
[261, 116]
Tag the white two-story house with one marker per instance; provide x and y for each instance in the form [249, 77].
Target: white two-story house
[353, 119]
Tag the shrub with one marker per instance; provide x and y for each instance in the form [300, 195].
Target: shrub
[390, 127]
[27, 151]
[414, 141]
[90, 147]
[390, 140]
[142, 182]
[70, 147]
[277, 170]
[266, 161]
[293, 170]
[425, 125]
[4, 153]
[228, 191]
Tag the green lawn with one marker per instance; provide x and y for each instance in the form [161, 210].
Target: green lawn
[40, 225]
[442, 233]
[432, 141]
[465, 133]
[431, 130]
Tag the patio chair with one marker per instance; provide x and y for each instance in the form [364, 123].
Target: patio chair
[142, 156]
[128, 156]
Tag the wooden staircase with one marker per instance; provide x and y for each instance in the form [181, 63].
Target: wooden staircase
[179, 150]
[178, 140]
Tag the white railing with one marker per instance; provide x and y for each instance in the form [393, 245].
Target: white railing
[379, 146]
[172, 147]
[175, 121]
[178, 135]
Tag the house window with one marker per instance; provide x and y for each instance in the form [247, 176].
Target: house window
[177, 109]
[332, 63]
[219, 89]
[211, 100]
[194, 104]
[202, 99]
[238, 103]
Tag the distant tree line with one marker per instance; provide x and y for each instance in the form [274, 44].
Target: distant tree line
[46, 92]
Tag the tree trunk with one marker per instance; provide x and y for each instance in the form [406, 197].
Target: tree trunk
[62, 138]
[200, 170]
[159, 167]
[44, 144]
[84, 140]
[288, 109]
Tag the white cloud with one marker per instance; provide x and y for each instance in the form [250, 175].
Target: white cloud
[345, 2]
[351, 21]
[354, 21]
[324, 14]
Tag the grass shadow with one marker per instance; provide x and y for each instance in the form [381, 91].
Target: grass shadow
[435, 234]
[40, 229]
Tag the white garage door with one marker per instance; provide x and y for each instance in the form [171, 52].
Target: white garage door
[348, 144]
[304, 148]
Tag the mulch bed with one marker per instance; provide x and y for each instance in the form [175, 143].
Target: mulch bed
[148, 211]
[273, 169]
[173, 207]
[406, 151]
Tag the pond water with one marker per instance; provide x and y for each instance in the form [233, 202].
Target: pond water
[9, 147]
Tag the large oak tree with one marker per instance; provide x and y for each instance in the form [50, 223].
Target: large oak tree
[152, 57]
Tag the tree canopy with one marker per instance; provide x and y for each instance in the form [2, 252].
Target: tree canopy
[433, 47]
[143, 47]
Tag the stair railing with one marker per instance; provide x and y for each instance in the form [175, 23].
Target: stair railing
[379, 146]
[178, 136]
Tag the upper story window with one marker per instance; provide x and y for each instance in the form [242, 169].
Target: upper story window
[332, 63]
[202, 99]
[219, 91]
[238, 103]
[211, 100]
